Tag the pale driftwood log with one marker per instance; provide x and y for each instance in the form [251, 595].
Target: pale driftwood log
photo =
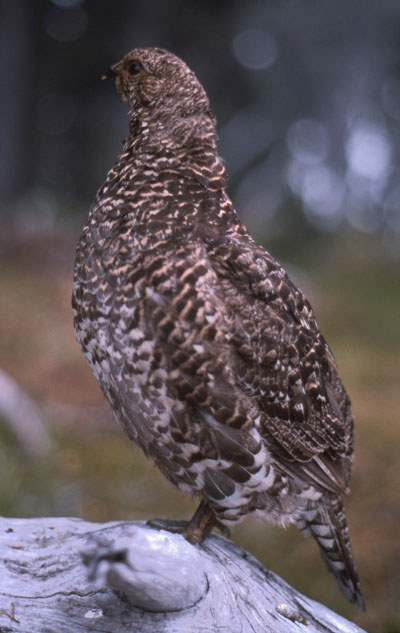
[60, 575]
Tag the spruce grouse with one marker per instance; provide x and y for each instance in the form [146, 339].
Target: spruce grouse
[209, 355]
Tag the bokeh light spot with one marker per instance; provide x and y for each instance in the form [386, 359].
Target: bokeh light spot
[323, 193]
[255, 49]
[65, 24]
[368, 151]
[308, 141]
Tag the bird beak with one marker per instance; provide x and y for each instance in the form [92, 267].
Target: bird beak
[110, 73]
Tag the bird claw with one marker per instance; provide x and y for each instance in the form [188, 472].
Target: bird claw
[170, 525]
[191, 533]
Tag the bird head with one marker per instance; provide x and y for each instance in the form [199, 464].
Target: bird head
[152, 78]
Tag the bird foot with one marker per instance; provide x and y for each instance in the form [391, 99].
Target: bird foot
[170, 525]
[195, 530]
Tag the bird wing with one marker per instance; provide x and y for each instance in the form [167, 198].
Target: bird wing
[242, 348]
[287, 366]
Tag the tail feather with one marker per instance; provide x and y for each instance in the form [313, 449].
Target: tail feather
[327, 524]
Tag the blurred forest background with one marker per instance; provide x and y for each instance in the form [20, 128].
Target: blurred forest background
[307, 97]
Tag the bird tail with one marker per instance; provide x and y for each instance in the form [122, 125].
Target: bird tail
[328, 526]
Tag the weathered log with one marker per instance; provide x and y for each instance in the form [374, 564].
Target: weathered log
[63, 575]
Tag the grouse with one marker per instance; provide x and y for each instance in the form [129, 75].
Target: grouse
[209, 355]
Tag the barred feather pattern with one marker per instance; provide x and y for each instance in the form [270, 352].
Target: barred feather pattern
[209, 355]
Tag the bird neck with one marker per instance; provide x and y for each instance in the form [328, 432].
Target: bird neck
[152, 148]
[155, 172]
[166, 134]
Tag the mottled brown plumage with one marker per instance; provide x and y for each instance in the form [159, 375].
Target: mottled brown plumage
[209, 355]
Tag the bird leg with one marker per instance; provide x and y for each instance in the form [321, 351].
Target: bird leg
[195, 530]
[201, 524]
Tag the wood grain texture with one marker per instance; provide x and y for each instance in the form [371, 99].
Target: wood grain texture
[45, 586]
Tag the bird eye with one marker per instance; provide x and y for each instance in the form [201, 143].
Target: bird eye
[134, 68]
